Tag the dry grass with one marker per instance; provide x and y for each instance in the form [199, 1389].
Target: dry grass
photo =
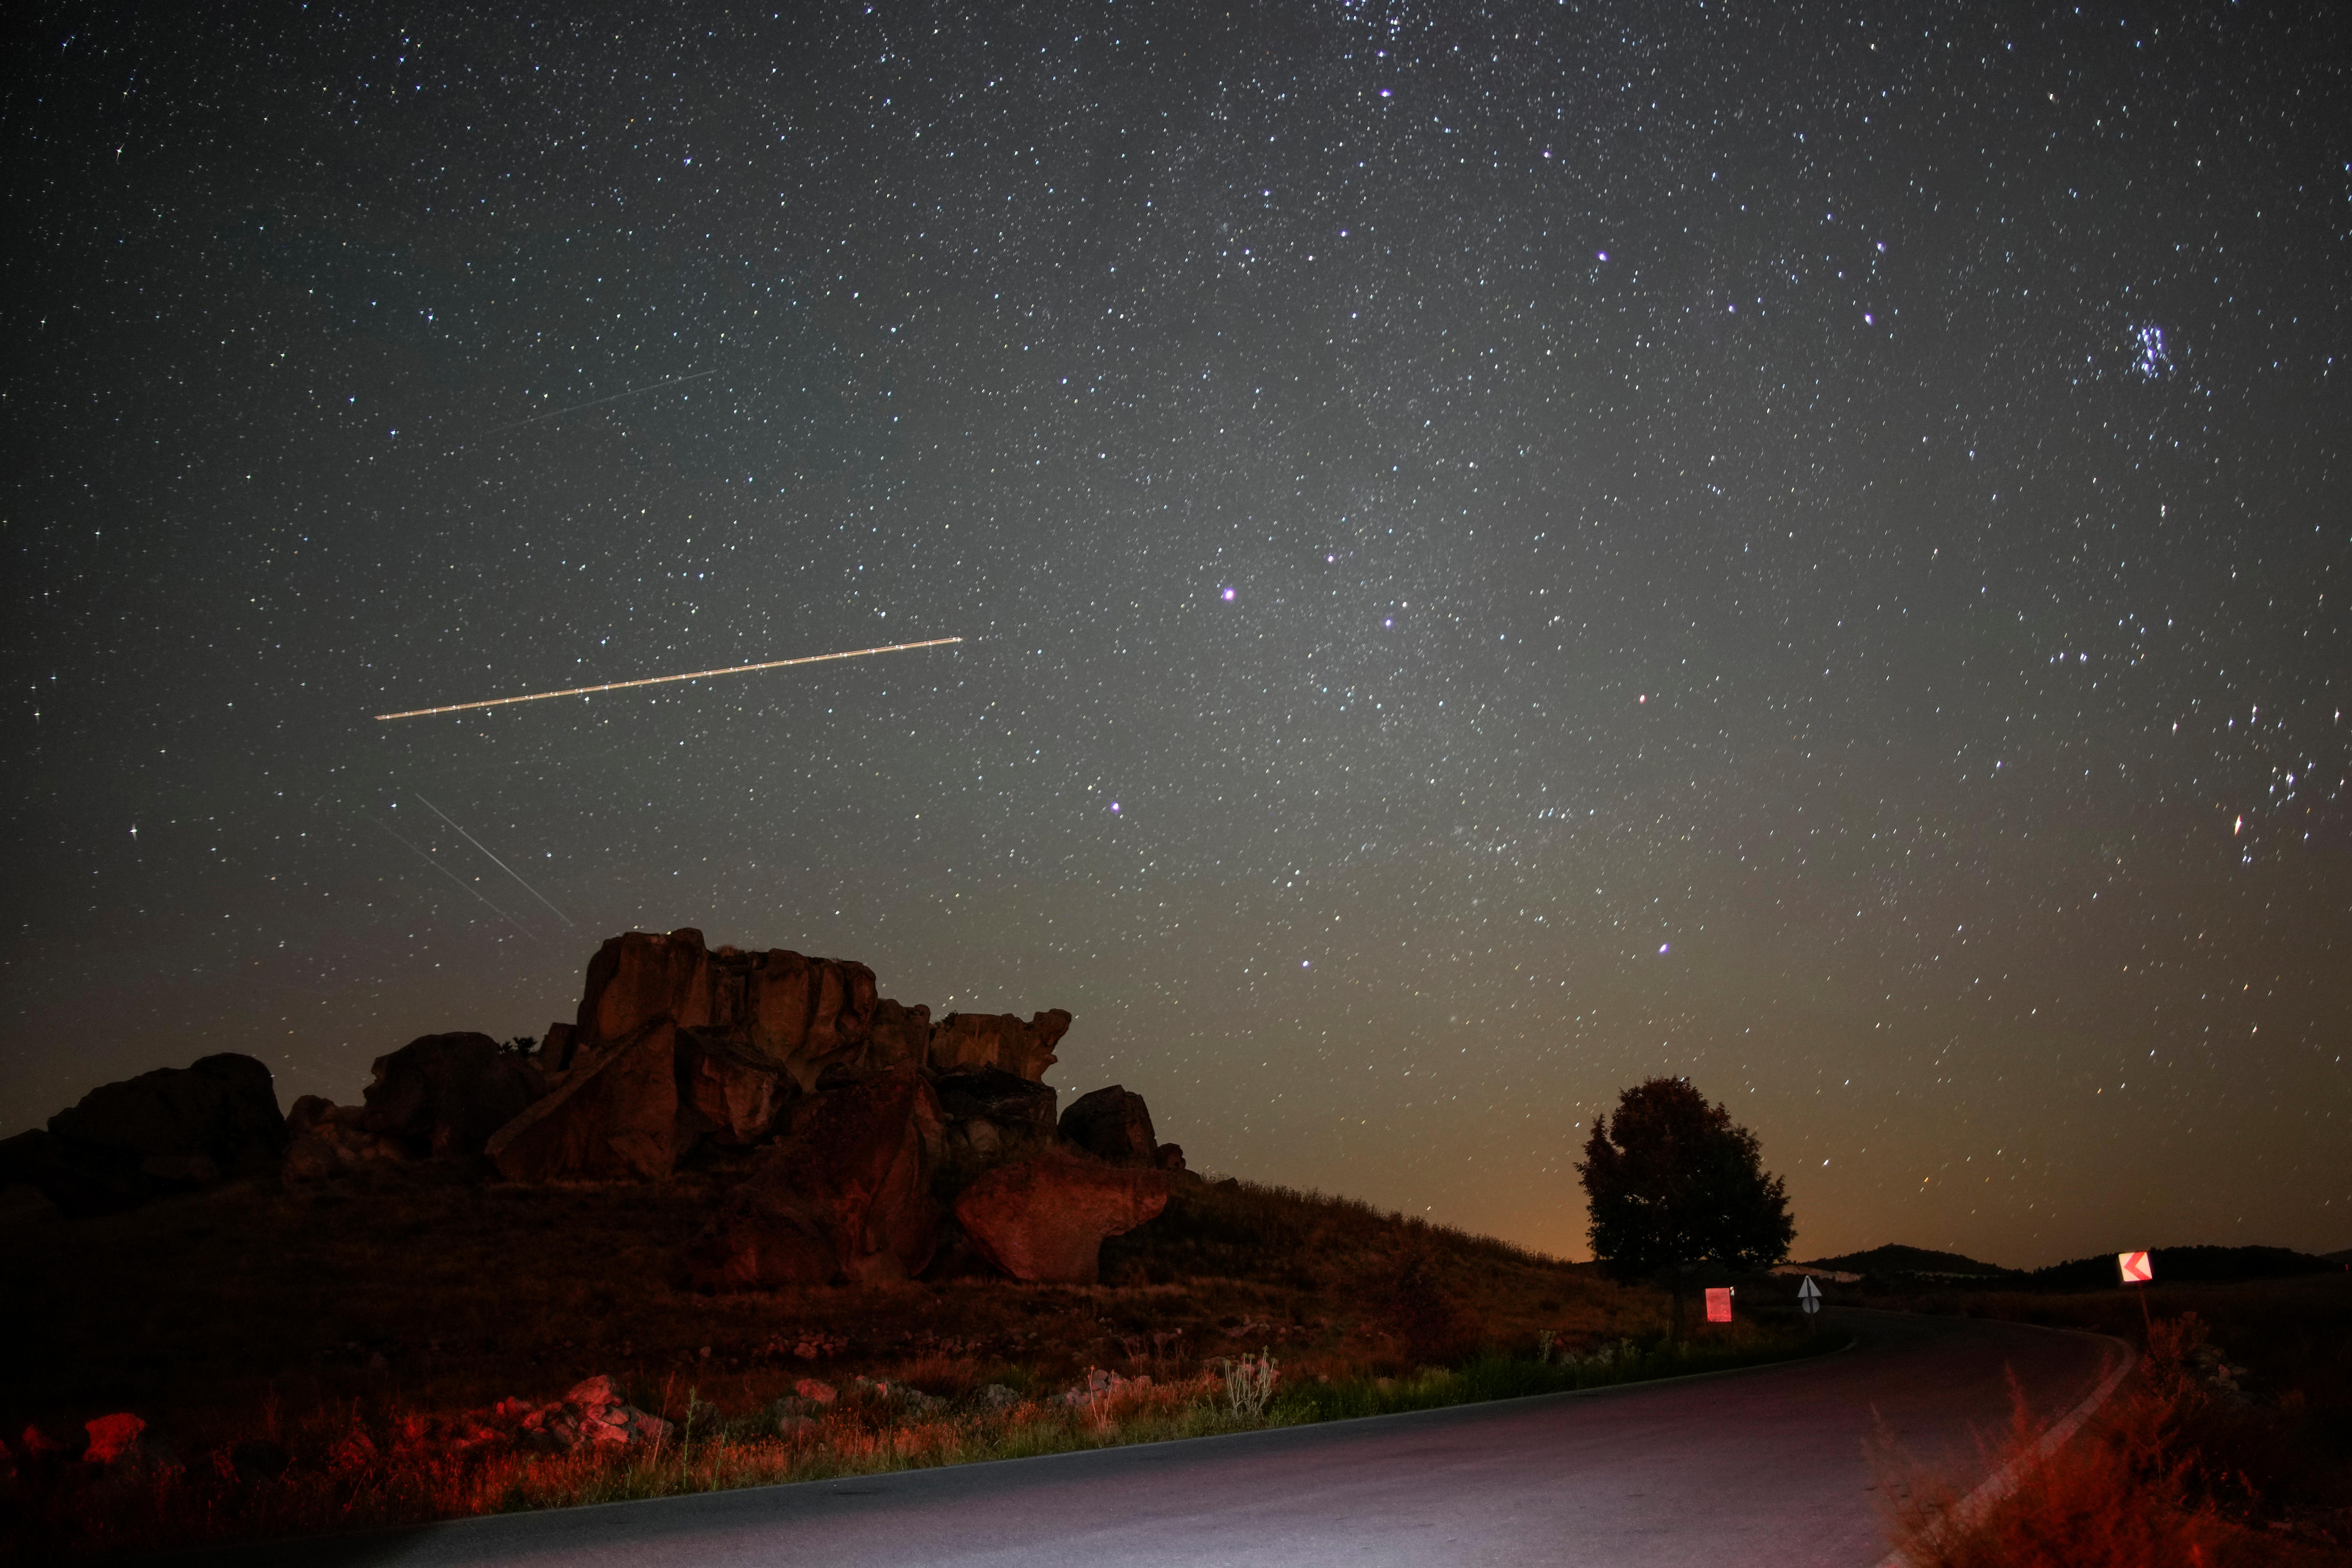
[351, 1327]
[2180, 1469]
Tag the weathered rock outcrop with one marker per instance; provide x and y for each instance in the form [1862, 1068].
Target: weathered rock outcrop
[614, 1116]
[221, 1108]
[172, 1130]
[1113, 1125]
[864, 1114]
[845, 1198]
[804, 1013]
[963, 1041]
[1044, 1219]
[444, 1095]
[897, 1034]
[751, 1032]
[992, 1113]
[332, 1140]
[725, 1092]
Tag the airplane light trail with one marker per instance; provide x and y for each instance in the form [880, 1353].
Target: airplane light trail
[664, 679]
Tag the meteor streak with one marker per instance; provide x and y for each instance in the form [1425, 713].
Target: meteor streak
[501, 865]
[664, 680]
[457, 879]
[595, 403]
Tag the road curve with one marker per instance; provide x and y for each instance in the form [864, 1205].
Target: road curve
[1762, 1466]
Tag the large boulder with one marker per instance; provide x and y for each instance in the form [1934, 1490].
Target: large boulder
[1044, 1219]
[1112, 1124]
[615, 1117]
[844, 1199]
[444, 1095]
[175, 1127]
[965, 1041]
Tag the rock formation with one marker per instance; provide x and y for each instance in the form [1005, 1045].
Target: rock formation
[802, 1014]
[1044, 1219]
[844, 1198]
[861, 1118]
[725, 1092]
[444, 1095]
[992, 1112]
[961, 1041]
[1112, 1125]
[751, 1032]
[332, 1139]
[172, 1130]
[614, 1117]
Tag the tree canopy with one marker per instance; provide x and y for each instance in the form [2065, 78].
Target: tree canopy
[1673, 1182]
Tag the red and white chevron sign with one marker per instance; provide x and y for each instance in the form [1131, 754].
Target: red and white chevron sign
[2136, 1268]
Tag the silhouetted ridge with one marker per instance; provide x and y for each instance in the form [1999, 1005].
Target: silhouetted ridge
[2182, 1265]
[1896, 1258]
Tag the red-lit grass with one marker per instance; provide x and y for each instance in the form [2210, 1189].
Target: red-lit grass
[2158, 1479]
[353, 1468]
[352, 1326]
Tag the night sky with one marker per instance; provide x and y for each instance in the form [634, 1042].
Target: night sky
[1504, 551]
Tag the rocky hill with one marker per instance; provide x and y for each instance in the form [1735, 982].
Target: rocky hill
[863, 1140]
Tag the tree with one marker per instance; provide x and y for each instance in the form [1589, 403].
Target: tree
[1673, 1183]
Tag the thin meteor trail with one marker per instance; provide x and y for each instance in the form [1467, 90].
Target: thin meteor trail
[459, 881]
[501, 865]
[660, 680]
[595, 403]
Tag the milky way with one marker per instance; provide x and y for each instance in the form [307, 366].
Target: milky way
[1504, 551]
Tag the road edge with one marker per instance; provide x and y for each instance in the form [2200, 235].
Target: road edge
[2004, 1481]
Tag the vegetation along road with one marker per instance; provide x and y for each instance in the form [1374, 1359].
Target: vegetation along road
[1762, 1466]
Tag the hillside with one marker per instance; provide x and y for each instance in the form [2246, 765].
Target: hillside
[448, 1294]
[1896, 1258]
[743, 1219]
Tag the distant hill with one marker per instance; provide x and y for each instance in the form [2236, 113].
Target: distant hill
[1896, 1258]
[2181, 1264]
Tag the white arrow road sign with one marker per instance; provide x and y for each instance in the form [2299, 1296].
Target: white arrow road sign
[1808, 1295]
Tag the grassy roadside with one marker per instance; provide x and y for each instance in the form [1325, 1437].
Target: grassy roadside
[370, 1470]
[311, 1364]
[2233, 1447]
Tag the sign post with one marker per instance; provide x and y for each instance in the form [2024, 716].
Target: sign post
[2137, 1270]
[1809, 1296]
[1718, 1304]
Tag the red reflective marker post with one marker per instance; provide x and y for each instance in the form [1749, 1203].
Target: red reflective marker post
[2137, 1270]
[1718, 1304]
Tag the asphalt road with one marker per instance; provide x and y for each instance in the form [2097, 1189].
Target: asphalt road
[1763, 1466]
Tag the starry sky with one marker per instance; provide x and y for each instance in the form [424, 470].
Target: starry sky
[1503, 551]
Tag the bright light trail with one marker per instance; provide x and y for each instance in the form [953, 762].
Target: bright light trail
[664, 679]
[595, 403]
[501, 865]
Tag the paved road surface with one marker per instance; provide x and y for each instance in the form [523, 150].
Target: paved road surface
[1762, 1468]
